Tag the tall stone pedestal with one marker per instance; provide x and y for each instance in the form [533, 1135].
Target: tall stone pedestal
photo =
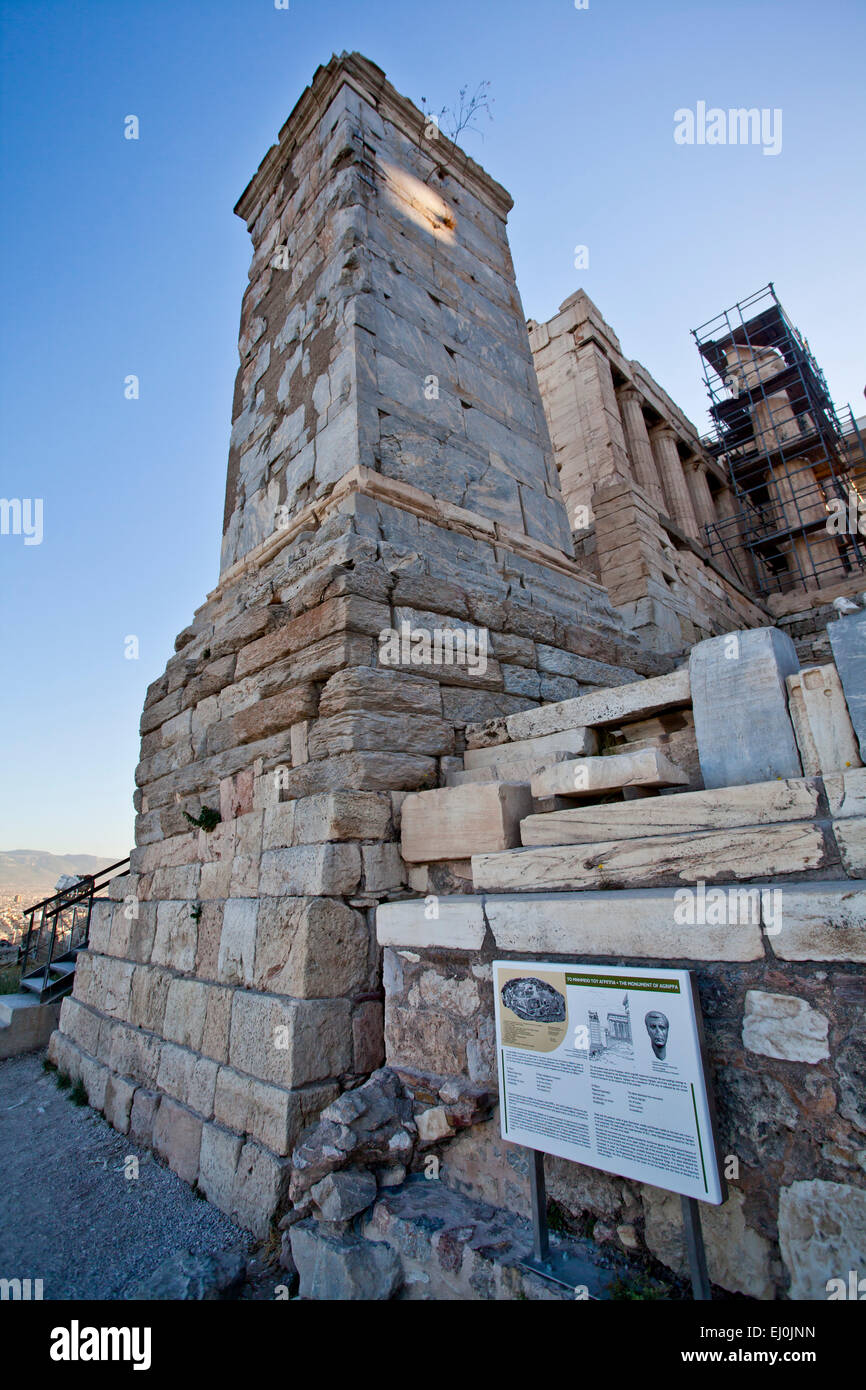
[391, 495]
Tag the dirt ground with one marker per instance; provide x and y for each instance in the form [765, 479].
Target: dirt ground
[69, 1214]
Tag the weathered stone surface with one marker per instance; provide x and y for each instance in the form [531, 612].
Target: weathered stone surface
[712, 856]
[821, 721]
[347, 1269]
[340, 1196]
[761, 804]
[186, 1275]
[177, 1138]
[372, 688]
[633, 922]
[238, 941]
[289, 1042]
[822, 921]
[119, 1095]
[740, 706]
[846, 793]
[648, 767]
[848, 640]
[307, 870]
[822, 1234]
[340, 816]
[310, 948]
[433, 1125]
[383, 868]
[456, 922]
[453, 822]
[850, 836]
[175, 941]
[738, 1256]
[603, 707]
[243, 1179]
[271, 1114]
[403, 733]
[781, 1025]
[575, 743]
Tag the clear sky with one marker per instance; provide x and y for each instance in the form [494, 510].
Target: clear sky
[124, 257]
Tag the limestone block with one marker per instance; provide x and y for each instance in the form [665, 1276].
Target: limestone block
[112, 986]
[454, 822]
[433, 1125]
[216, 878]
[180, 881]
[504, 771]
[279, 826]
[145, 1104]
[821, 721]
[633, 922]
[846, 793]
[243, 1179]
[848, 641]
[210, 925]
[186, 1077]
[341, 816]
[133, 929]
[604, 707]
[94, 1077]
[307, 870]
[343, 1269]
[310, 948]
[274, 715]
[762, 803]
[81, 1024]
[784, 1026]
[822, 1235]
[740, 705]
[383, 868]
[134, 1053]
[822, 921]
[454, 922]
[373, 688]
[574, 743]
[738, 1256]
[238, 941]
[268, 1113]
[409, 733]
[322, 623]
[148, 997]
[100, 924]
[290, 1042]
[175, 940]
[185, 1012]
[712, 856]
[585, 777]
[177, 1138]
[851, 838]
[215, 1036]
[119, 1094]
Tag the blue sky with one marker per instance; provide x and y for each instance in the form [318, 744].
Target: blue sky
[125, 257]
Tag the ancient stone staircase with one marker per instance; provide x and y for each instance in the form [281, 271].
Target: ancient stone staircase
[566, 798]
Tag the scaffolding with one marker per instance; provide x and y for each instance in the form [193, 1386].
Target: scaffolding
[791, 458]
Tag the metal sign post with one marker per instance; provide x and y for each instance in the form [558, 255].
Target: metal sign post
[695, 1247]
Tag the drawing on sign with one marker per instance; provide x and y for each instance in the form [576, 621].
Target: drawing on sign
[534, 1000]
[658, 1027]
[614, 1036]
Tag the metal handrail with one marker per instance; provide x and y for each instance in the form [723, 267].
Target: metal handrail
[77, 895]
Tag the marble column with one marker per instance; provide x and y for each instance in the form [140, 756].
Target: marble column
[664, 443]
[638, 441]
[702, 498]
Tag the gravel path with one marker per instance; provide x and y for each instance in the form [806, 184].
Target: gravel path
[68, 1215]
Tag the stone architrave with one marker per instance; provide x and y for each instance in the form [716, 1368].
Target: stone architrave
[848, 640]
[740, 705]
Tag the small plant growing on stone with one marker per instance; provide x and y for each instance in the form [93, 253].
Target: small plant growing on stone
[638, 1288]
[48, 1065]
[195, 912]
[64, 1080]
[207, 819]
[205, 654]
[451, 120]
[78, 1094]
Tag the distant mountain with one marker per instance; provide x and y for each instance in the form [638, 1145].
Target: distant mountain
[33, 873]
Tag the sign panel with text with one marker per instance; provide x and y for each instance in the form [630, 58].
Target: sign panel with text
[605, 1066]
